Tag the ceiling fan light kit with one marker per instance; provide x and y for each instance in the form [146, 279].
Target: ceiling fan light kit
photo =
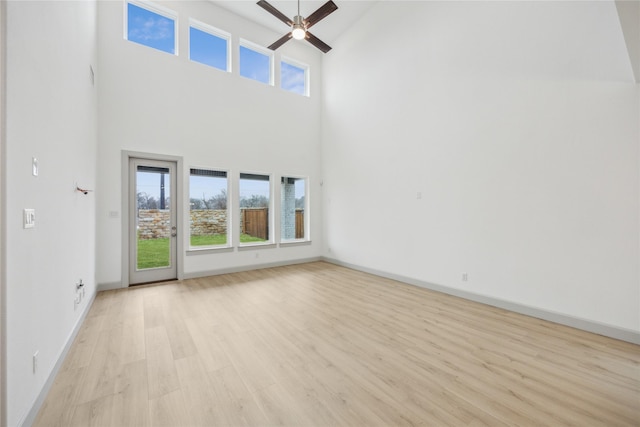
[298, 31]
[299, 25]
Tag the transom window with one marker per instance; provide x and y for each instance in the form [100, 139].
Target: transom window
[294, 76]
[209, 46]
[152, 26]
[256, 62]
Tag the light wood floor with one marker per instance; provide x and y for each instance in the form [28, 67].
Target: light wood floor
[317, 344]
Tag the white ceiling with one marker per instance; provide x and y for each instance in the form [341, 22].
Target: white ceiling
[327, 30]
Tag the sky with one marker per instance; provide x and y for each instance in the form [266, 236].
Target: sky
[150, 29]
[157, 31]
[207, 49]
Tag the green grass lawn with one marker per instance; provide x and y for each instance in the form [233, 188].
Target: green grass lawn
[154, 253]
[209, 240]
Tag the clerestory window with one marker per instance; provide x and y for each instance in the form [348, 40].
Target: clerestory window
[152, 26]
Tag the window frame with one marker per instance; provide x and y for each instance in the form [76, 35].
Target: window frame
[216, 32]
[271, 211]
[307, 216]
[307, 75]
[259, 49]
[159, 10]
[229, 236]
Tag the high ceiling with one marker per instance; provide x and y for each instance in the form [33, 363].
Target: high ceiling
[327, 30]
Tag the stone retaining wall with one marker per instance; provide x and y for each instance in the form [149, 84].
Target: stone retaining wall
[205, 222]
[154, 223]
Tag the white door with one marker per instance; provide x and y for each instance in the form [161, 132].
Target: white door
[152, 221]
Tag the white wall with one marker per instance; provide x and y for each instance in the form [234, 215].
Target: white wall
[518, 124]
[3, 322]
[51, 114]
[154, 102]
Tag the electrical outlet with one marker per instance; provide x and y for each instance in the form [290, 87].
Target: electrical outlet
[35, 361]
[465, 277]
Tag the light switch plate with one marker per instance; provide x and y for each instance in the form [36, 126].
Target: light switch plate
[29, 218]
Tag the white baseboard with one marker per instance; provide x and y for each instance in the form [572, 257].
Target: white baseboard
[198, 274]
[109, 286]
[563, 319]
[37, 404]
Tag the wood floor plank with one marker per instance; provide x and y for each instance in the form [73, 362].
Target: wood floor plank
[169, 410]
[58, 409]
[206, 339]
[317, 344]
[200, 405]
[237, 405]
[161, 371]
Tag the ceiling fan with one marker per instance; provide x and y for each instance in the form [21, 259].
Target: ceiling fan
[299, 25]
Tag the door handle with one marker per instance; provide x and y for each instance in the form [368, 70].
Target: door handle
[174, 231]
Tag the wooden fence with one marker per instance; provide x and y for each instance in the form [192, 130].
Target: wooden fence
[255, 222]
[299, 224]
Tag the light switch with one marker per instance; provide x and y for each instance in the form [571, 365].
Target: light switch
[34, 166]
[29, 218]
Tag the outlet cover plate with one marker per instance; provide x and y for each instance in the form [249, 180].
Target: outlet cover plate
[29, 218]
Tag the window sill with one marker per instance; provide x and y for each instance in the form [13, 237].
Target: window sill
[297, 242]
[208, 250]
[249, 246]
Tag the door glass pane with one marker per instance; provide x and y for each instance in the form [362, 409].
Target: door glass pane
[153, 217]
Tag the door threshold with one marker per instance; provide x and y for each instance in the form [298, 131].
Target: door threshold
[155, 282]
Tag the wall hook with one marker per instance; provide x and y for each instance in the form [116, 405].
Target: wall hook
[82, 190]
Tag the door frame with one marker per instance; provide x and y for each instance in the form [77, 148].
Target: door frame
[125, 159]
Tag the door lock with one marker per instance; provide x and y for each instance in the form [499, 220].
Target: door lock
[174, 231]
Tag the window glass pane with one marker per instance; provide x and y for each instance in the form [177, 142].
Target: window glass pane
[150, 29]
[292, 220]
[208, 207]
[207, 49]
[254, 208]
[255, 65]
[292, 78]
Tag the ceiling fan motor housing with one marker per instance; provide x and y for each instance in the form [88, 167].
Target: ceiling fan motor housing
[298, 29]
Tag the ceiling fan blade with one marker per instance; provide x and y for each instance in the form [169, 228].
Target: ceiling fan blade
[275, 12]
[317, 42]
[282, 40]
[322, 12]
